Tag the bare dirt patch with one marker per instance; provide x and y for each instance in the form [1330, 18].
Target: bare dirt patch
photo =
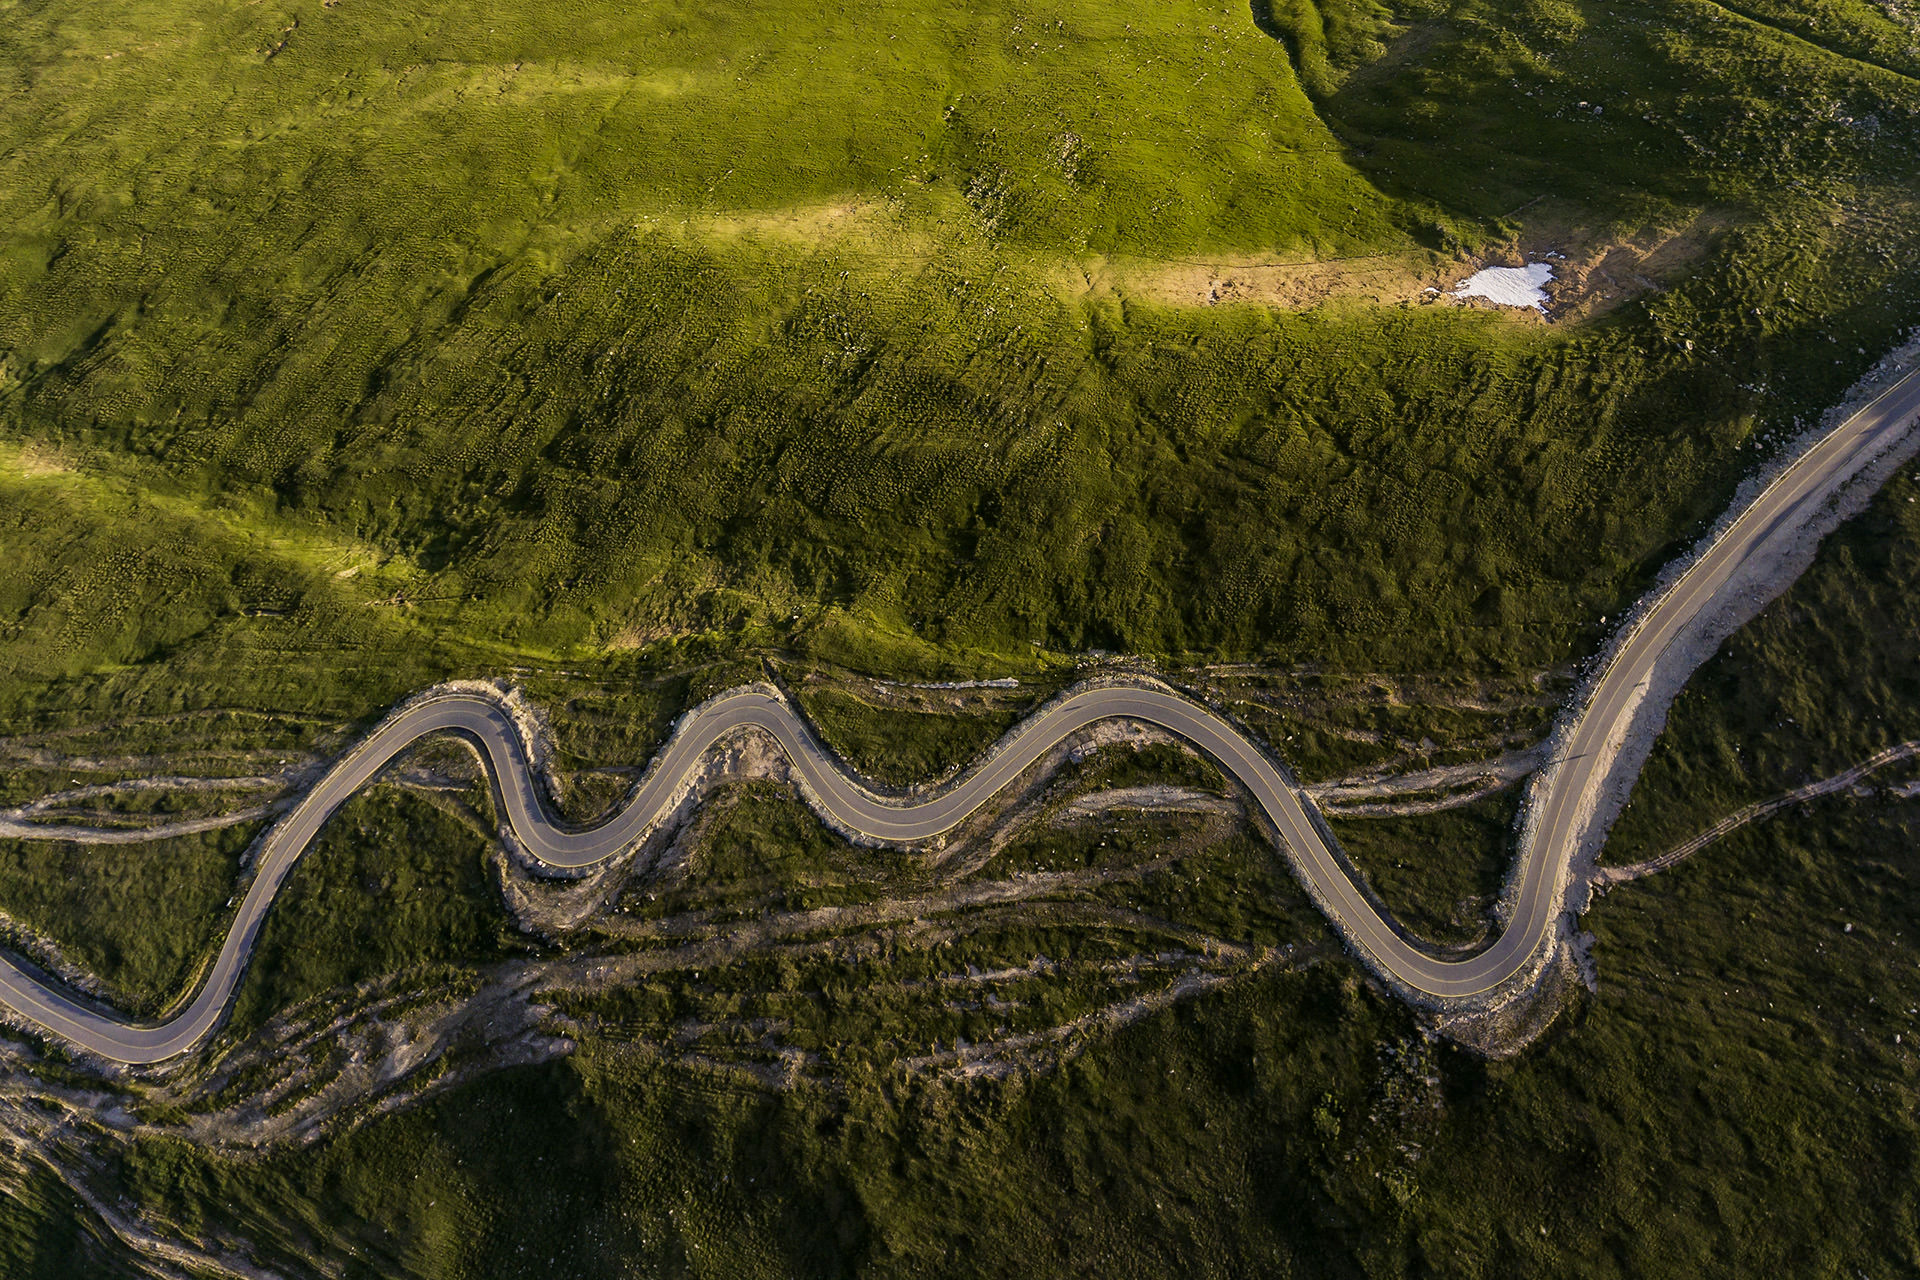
[862, 223]
[1276, 283]
[34, 461]
[638, 635]
[1596, 273]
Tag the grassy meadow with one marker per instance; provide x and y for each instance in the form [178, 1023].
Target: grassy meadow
[494, 338]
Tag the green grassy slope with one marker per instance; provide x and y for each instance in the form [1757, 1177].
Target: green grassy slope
[1439, 874]
[143, 918]
[560, 321]
[1820, 681]
[398, 882]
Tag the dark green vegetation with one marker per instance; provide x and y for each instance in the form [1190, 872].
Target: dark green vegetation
[1159, 763]
[760, 850]
[140, 917]
[396, 881]
[901, 746]
[630, 351]
[1438, 874]
[1330, 725]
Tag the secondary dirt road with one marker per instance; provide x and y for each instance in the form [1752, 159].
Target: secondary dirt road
[1568, 805]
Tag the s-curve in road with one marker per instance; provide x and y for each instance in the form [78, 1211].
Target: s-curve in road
[1792, 504]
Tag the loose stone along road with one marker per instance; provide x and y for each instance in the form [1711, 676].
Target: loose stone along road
[1570, 806]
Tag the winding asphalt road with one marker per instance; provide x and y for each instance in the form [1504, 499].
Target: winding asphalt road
[1781, 512]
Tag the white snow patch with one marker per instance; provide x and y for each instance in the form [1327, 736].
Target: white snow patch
[1510, 286]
